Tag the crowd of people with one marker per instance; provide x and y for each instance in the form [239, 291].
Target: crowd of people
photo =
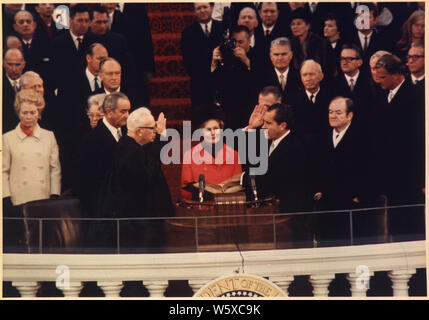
[339, 90]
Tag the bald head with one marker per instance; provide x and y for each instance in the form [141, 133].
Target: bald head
[13, 42]
[110, 74]
[13, 63]
[25, 24]
[248, 18]
[311, 75]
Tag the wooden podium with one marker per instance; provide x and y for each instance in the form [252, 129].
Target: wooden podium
[227, 223]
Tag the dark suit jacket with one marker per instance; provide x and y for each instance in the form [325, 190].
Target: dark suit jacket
[398, 142]
[333, 59]
[286, 175]
[268, 77]
[133, 24]
[377, 42]
[9, 118]
[233, 86]
[311, 119]
[345, 169]
[197, 52]
[66, 61]
[96, 161]
[361, 95]
[132, 93]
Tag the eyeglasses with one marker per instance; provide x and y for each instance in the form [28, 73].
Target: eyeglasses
[150, 128]
[415, 57]
[95, 115]
[349, 59]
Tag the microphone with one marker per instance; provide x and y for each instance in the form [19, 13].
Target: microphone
[201, 186]
[253, 185]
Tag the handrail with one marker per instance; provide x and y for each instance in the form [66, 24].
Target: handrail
[197, 225]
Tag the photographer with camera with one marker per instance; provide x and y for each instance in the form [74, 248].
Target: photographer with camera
[233, 77]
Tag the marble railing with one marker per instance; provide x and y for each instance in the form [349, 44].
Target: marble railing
[71, 271]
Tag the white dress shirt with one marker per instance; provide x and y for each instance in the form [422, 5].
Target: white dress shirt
[284, 75]
[415, 79]
[362, 38]
[112, 129]
[75, 40]
[14, 83]
[337, 136]
[91, 78]
[314, 94]
[393, 92]
[355, 78]
[276, 142]
[209, 26]
[270, 29]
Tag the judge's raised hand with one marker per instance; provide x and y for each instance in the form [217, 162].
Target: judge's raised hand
[161, 123]
[257, 117]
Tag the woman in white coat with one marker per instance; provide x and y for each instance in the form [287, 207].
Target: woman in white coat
[31, 166]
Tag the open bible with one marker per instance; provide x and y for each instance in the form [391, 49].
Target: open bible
[229, 187]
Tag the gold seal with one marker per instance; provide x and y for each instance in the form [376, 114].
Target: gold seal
[240, 286]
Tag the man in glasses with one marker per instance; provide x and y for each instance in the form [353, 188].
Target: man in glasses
[353, 81]
[138, 188]
[416, 64]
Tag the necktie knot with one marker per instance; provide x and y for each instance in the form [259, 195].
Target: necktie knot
[96, 86]
[312, 98]
[272, 147]
[390, 96]
[15, 85]
[365, 45]
[352, 84]
[267, 33]
[79, 42]
[282, 81]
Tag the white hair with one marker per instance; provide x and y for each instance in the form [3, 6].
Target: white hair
[96, 99]
[138, 118]
[26, 76]
[316, 64]
[379, 54]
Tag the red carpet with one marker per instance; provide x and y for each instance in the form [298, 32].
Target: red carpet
[170, 89]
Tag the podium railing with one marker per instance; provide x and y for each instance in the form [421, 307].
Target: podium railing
[222, 232]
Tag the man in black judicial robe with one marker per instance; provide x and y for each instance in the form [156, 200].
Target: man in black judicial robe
[137, 187]
[197, 48]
